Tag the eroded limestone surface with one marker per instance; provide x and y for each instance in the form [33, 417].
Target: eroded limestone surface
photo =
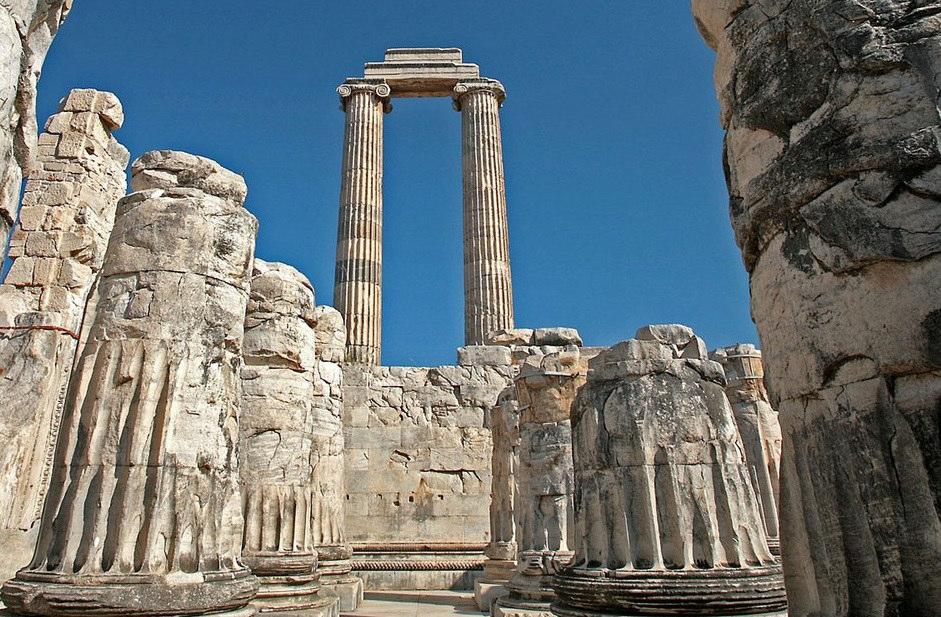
[834, 173]
[545, 390]
[418, 474]
[667, 520]
[57, 251]
[329, 479]
[758, 425]
[281, 504]
[143, 515]
[27, 28]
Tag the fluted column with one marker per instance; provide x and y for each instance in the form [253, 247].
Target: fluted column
[758, 425]
[278, 442]
[142, 517]
[545, 390]
[57, 251]
[488, 288]
[502, 549]
[357, 289]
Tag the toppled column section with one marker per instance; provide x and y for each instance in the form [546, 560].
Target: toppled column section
[667, 520]
[277, 442]
[27, 30]
[758, 425]
[833, 151]
[143, 515]
[328, 474]
[58, 247]
[545, 388]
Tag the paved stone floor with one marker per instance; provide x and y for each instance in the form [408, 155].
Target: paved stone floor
[416, 604]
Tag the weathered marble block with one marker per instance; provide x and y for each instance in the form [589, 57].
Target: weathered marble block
[418, 460]
[58, 247]
[504, 466]
[279, 451]
[328, 475]
[27, 28]
[545, 390]
[143, 515]
[667, 521]
[758, 425]
[834, 173]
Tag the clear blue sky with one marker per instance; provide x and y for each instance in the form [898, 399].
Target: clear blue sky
[617, 204]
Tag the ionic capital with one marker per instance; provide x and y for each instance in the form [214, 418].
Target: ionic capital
[381, 91]
[490, 87]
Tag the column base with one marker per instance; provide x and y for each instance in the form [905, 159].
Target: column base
[492, 584]
[527, 597]
[719, 592]
[297, 595]
[774, 546]
[347, 589]
[570, 612]
[558, 611]
[486, 593]
[225, 594]
[501, 610]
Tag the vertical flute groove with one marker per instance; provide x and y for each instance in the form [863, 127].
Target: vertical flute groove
[488, 289]
[358, 278]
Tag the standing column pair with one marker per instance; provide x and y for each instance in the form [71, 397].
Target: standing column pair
[488, 292]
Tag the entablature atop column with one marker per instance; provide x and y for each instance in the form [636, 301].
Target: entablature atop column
[377, 87]
[422, 72]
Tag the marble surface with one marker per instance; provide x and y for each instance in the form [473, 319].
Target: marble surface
[416, 604]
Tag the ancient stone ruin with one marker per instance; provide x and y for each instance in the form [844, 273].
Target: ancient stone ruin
[57, 251]
[758, 426]
[667, 518]
[186, 432]
[143, 513]
[488, 290]
[834, 182]
[281, 504]
[545, 389]
[27, 28]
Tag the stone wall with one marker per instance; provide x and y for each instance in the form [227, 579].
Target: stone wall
[57, 251]
[418, 467]
[27, 28]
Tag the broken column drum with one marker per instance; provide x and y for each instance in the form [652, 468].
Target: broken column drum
[546, 387]
[758, 425]
[833, 161]
[277, 442]
[56, 254]
[143, 513]
[667, 520]
[488, 290]
[327, 464]
[502, 548]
